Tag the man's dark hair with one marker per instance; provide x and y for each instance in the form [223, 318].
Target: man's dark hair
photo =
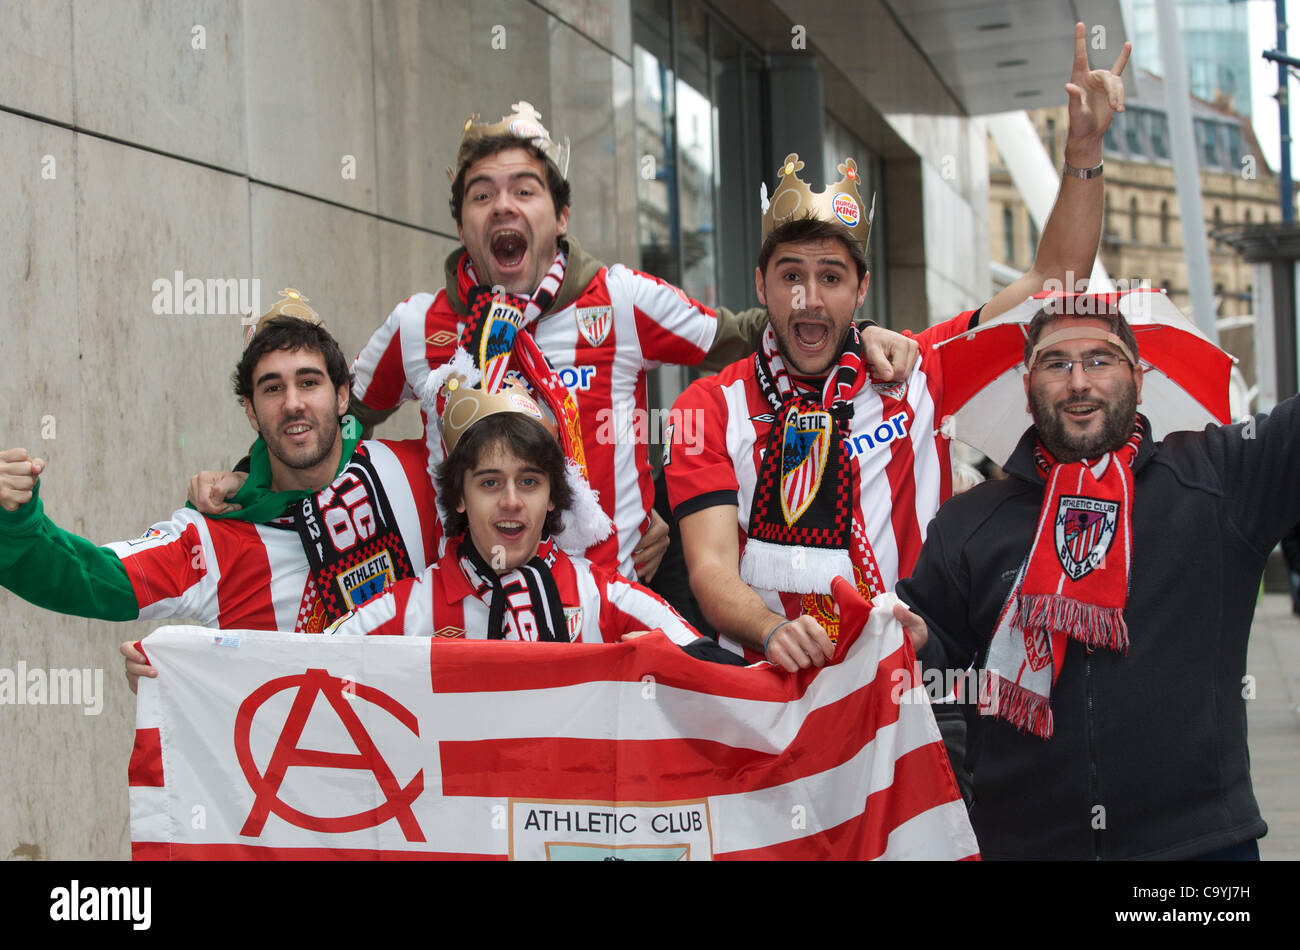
[812, 229]
[523, 437]
[479, 149]
[290, 333]
[1067, 309]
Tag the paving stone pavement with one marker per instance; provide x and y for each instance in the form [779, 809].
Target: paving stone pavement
[1273, 717]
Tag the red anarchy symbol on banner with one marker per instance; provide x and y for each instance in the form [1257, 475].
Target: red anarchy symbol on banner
[397, 799]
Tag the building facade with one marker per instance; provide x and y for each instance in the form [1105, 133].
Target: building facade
[1143, 231]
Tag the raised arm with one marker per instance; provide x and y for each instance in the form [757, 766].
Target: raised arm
[1072, 231]
[50, 567]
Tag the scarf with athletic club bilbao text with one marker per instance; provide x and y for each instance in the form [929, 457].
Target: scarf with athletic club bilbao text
[1072, 586]
[801, 517]
[523, 604]
[494, 339]
[353, 546]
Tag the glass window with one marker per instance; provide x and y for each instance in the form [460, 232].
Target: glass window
[1133, 133]
[1008, 236]
[1164, 222]
[656, 145]
[1159, 127]
[1133, 219]
[840, 143]
[737, 86]
[697, 170]
[1111, 141]
[1234, 146]
[697, 108]
[1207, 143]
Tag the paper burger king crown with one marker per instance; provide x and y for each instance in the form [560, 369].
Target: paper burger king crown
[524, 123]
[465, 406]
[290, 304]
[839, 204]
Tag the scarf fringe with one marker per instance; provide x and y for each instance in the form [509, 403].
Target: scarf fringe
[1023, 708]
[795, 569]
[1090, 624]
[585, 523]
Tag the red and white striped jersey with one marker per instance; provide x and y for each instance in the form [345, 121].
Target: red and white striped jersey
[236, 575]
[601, 344]
[901, 469]
[599, 605]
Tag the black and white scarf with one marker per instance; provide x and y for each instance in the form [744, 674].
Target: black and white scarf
[523, 604]
[353, 545]
[801, 518]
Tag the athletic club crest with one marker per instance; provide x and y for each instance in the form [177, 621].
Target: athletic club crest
[892, 390]
[498, 341]
[573, 622]
[804, 446]
[1085, 528]
[594, 323]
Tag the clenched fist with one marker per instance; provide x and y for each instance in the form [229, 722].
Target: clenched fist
[19, 473]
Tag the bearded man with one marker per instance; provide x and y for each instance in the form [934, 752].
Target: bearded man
[1105, 592]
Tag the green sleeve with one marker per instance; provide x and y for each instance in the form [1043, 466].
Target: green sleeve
[738, 336]
[57, 570]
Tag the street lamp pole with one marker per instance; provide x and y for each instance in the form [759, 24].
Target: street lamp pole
[1283, 61]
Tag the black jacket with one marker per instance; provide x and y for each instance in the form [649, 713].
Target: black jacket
[1148, 758]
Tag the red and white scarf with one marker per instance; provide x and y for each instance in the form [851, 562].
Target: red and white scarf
[495, 347]
[1072, 586]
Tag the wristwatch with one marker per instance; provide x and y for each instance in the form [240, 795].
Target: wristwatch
[1084, 173]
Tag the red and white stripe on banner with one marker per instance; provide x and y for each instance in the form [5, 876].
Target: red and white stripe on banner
[277, 745]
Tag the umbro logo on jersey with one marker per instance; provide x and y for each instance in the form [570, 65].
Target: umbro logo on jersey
[594, 323]
[153, 534]
[442, 338]
[764, 418]
[449, 632]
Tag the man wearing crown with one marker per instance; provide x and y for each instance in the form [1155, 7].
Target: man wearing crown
[522, 295]
[825, 472]
[508, 495]
[324, 522]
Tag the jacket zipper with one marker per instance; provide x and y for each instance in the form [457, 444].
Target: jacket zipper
[1094, 782]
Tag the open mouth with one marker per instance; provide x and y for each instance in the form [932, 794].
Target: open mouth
[811, 335]
[509, 248]
[510, 530]
[296, 429]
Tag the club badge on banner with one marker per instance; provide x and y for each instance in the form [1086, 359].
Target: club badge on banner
[280, 745]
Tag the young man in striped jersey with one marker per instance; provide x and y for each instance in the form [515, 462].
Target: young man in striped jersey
[325, 521]
[824, 471]
[506, 491]
[521, 280]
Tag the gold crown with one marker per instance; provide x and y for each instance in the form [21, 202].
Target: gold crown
[840, 203]
[290, 304]
[524, 123]
[465, 406]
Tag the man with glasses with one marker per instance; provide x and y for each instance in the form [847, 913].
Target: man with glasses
[1105, 591]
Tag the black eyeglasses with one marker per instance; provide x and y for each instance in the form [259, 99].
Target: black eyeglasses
[1099, 364]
